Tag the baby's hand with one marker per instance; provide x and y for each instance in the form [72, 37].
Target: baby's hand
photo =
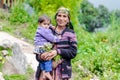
[53, 27]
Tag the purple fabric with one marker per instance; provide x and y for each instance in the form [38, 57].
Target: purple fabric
[67, 49]
[43, 36]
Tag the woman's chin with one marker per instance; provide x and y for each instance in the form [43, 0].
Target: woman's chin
[61, 25]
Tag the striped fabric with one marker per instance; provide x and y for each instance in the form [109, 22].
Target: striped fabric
[67, 48]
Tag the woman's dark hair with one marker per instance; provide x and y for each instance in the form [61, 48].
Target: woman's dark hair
[70, 25]
[43, 18]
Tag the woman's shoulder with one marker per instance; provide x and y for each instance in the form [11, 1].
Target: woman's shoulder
[69, 30]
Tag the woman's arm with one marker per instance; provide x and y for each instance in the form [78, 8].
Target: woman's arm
[48, 55]
[70, 52]
[65, 53]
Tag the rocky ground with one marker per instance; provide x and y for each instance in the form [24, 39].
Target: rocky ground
[26, 49]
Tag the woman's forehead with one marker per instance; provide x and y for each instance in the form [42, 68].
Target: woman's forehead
[60, 13]
[63, 10]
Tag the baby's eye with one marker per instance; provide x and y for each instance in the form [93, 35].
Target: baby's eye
[45, 24]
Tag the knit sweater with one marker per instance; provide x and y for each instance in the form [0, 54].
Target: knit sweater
[67, 49]
[44, 36]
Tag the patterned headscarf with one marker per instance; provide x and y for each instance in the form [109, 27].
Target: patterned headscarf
[63, 10]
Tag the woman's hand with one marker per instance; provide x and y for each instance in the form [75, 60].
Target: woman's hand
[48, 55]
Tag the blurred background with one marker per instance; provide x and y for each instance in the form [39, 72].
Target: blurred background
[96, 23]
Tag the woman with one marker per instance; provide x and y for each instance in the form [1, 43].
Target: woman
[66, 48]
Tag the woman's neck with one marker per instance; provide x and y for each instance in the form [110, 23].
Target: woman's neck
[59, 29]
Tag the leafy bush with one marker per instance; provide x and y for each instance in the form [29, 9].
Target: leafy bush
[18, 14]
[26, 76]
[15, 77]
[98, 54]
[92, 17]
[2, 57]
[29, 31]
[50, 7]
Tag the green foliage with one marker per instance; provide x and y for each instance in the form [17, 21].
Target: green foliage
[50, 7]
[87, 14]
[9, 29]
[2, 57]
[1, 62]
[29, 31]
[91, 17]
[20, 76]
[18, 14]
[15, 77]
[98, 54]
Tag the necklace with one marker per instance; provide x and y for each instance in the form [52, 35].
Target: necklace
[59, 31]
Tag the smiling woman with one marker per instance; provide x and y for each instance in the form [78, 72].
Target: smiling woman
[66, 48]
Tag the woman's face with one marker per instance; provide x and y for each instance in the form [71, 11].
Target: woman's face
[62, 19]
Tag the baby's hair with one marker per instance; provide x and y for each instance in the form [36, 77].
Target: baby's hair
[43, 18]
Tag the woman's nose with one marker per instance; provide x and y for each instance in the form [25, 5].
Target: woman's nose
[61, 18]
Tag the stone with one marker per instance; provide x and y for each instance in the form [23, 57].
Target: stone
[6, 44]
[1, 76]
[4, 52]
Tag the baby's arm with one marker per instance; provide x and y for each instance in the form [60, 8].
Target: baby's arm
[48, 35]
[52, 27]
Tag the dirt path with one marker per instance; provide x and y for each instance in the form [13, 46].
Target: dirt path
[25, 47]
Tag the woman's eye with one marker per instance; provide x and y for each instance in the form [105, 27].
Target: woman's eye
[59, 15]
[64, 16]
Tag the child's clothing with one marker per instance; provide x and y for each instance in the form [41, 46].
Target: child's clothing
[38, 50]
[44, 36]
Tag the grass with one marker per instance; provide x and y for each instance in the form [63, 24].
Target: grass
[27, 76]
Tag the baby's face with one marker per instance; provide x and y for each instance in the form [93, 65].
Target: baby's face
[45, 24]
